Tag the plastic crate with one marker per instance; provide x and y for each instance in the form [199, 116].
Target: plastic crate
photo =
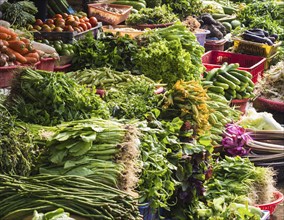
[65, 68]
[215, 44]
[271, 104]
[253, 48]
[278, 196]
[66, 36]
[6, 75]
[147, 212]
[107, 16]
[45, 64]
[253, 64]
[201, 36]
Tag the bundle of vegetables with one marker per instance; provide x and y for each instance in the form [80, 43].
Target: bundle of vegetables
[157, 15]
[103, 150]
[272, 84]
[187, 100]
[265, 15]
[49, 98]
[169, 54]
[19, 13]
[16, 48]
[17, 152]
[132, 99]
[217, 30]
[234, 184]
[236, 179]
[235, 139]
[259, 36]
[115, 52]
[220, 114]
[75, 194]
[184, 8]
[230, 82]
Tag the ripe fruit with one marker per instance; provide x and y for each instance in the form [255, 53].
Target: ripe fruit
[93, 21]
[58, 29]
[49, 21]
[84, 26]
[89, 26]
[39, 22]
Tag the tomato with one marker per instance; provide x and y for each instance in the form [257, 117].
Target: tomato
[68, 28]
[64, 15]
[39, 22]
[58, 29]
[85, 19]
[84, 26]
[49, 21]
[76, 18]
[52, 26]
[74, 24]
[89, 26]
[93, 21]
[60, 24]
[58, 16]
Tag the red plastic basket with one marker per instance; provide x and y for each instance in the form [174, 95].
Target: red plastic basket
[65, 68]
[6, 75]
[271, 206]
[253, 64]
[270, 104]
[46, 64]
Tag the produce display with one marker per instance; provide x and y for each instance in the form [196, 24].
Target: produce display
[65, 22]
[13, 48]
[157, 15]
[138, 125]
[230, 82]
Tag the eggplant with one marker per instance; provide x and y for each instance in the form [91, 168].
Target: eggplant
[255, 38]
[275, 36]
[272, 38]
[257, 33]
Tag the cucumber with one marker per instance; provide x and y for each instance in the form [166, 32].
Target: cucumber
[231, 66]
[239, 96]
[217, 89]
[135, 5]
[229, 10]
[211, 74]
[228, 96]
[224, 85]
[238, 88]
[224, 80]
[239, 76]
[243, 72]
[245, 94]
[218, 16]
[206, 83]
[227, 19]
[232, 92]
[249, 89]
[251, 84]
[231, 78]
[134, 11]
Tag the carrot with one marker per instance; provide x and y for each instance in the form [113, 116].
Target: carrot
[25, 40]
[18, 46]
[19, 57]
[7, 31]
[31, 59]
[5, 43]
[34, 55]
[4, 36]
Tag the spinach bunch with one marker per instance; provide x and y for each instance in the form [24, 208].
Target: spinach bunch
[114, 52]
[49, 98]
[184, 8]
[157, 15]
[132, 99]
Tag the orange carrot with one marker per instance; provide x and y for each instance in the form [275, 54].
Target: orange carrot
[5, 43]
[18, 46]
[19, 57]
[31, 60]
[25, 40]
[7, 31]
[34, 55]
[4, 36]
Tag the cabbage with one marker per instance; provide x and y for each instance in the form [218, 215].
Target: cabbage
[259, 121]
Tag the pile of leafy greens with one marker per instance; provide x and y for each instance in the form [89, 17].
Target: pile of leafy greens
[49, 98]
[157, 15]
[265, 14]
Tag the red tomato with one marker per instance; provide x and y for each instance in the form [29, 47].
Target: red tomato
[93, 21]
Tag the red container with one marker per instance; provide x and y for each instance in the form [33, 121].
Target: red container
[6, 75]
[270, 104]
[65, 68]
[278, 196]
[46, 64]
[253, 64]
[214, 44]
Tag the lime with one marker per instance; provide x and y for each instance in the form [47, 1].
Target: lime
[65, 52]
[228, 26]
[57, 47]
[235, 23]
[71, 51]
[45, 41]
[64, 46]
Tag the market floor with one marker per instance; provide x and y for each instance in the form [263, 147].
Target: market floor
[279, 213]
